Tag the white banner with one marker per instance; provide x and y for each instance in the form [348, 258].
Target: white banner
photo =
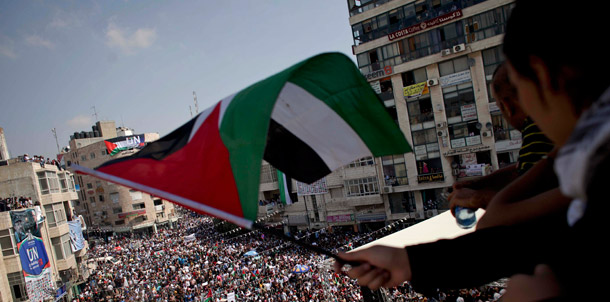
[39, 287]
[77, 241]
[317, 187]
[455, 78]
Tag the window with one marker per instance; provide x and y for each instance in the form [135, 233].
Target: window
[61, 246]
[420, 113]
[89, 186]
[502, 129]
[101, 198]
[6, 242]
[17, 283]
[268, 174]
[138, 206]
[460, 103]
[507, 158]
[464, 134]
[365, 161]
[55, 214]
[48, 182]
[114, 197]
[394, 170]
[402, 202]
[414, 77]
[117, 210]
[453, 66]
[491, 59]
[104, 152]
[92, 155]
[362, 186]
[135, 195]
[386, 95]
[429, 166]
[83, 157]
[425, 146]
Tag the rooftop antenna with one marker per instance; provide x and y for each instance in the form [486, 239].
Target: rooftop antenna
[95, 113]
[56, 142]
[196, 104]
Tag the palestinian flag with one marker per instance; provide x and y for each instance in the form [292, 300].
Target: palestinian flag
[116, 145]
[306, 121]
[284, 185]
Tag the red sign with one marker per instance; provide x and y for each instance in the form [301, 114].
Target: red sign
[132, 214]
[426, 24]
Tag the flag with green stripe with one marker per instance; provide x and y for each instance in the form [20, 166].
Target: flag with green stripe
[306, 121]
[283, 186]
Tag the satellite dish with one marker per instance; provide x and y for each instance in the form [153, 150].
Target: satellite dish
[479, 126]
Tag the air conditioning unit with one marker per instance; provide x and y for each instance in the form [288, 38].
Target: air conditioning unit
[441, 133]
[446, 52]
[487, 134]
[429, 214]
[387, 190]
[441, 125]
[432, 82]
[418, 215]
[459, 48]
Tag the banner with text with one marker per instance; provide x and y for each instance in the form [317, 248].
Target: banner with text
[36, 269]
[317, 187]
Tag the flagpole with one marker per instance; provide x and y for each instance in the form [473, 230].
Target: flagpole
[315, 249]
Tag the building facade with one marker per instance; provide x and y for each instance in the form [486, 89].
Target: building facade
[3, 147]
[431, 64]
[53, 193]
[103, 204]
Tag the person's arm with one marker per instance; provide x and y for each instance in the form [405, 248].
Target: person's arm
[467, 261]
[498, 213]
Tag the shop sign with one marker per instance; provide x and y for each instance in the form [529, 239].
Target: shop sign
[508, 145]
[416, 90]
[387, 70]
[455, 78]
[466, 150]
[376, 85]
[430, 177]
[371, 217]
[340, 218]
[473, 140]
[426, 24]
[493, 107]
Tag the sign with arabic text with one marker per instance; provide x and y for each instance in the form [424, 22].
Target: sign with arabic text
[425, 25]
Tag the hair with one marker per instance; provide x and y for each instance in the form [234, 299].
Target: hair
[567, 39]
[502, 85]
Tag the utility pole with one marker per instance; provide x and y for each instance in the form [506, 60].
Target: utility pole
[56, 142]
[95, 113]
[196, 104]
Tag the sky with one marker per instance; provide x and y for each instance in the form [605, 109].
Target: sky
[138, 62]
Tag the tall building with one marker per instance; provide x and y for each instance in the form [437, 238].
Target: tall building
[106, 205]
[53, 193]
[430, 62]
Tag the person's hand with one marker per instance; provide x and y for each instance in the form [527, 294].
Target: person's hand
[540, 286]
[469, 198]
[382, 266]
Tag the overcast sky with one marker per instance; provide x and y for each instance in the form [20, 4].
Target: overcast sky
[138, 62]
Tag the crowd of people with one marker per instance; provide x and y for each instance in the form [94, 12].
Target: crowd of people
[15, 203]
[174, 265]
[41, 160]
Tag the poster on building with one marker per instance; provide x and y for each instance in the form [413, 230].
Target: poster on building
[315, 188]
[77, 241]
[469, 112]
[36, 269]
[416, 90]
[24, 223]
[469, 159]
